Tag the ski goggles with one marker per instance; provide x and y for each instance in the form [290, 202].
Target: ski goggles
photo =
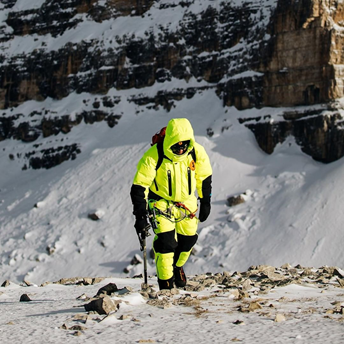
[180, 147]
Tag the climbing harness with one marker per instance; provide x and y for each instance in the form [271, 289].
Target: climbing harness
[154, 211]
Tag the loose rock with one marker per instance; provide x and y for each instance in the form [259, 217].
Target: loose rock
[104, 305]
[280, 318]
[107, 289]
[25, 298]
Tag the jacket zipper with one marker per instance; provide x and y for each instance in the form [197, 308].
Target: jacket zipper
[169, 183]
[156, 185]
[189, 180]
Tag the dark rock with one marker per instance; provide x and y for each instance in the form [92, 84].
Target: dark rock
[108, 289]
[235, 200]
[93, 217]
[5, 284]
[136, 260]
[318, 136]
[25, 298]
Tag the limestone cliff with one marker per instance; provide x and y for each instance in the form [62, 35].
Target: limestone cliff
[269, 53]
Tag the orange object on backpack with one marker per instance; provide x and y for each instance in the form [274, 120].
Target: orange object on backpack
[159, 136]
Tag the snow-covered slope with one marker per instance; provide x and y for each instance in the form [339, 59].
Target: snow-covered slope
[292, 212]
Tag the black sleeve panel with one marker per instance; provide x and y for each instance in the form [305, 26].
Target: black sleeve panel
[137, 194]
[206, 189]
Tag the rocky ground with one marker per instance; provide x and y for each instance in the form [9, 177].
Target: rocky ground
[286, 304]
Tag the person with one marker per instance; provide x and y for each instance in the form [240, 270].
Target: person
[170, 189]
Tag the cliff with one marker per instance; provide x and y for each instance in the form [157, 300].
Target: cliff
[269, 53]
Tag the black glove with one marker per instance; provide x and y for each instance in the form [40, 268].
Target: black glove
[140, 224]
[204, 210]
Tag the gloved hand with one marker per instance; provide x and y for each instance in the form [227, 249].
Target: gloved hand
[140, 224]
[204, 209]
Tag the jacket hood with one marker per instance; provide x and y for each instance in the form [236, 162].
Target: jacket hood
[178, 129]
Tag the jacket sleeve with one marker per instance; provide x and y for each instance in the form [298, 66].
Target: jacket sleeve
[203, 173]
[143, 179]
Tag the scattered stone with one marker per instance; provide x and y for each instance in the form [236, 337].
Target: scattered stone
[50, 250]
[249, 308]
[286, 266]
[81, 317]
[124, 291]
[78, 328]
[29, 284]
[103, 305]
[163, 303]
[247, 285]
[168, 292]
[338, 272]
[124, 317]
[136, 260]
[235, 200]
[6, 284]
[254, 306]
[341, 282]
[77, 333]
[86, 281]
[107, 289]
[82, 297]
[68, 281]
[25, 298]
[127, 269]
[239, 322]
[280, 317]
[234, 293]
[45, 284]
[93, 216]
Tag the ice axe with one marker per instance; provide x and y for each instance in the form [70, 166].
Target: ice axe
[142, 237]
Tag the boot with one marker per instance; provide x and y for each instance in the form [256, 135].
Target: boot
[165, 284]
[179, 277]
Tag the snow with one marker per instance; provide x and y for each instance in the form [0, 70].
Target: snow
[292, 213]
[215, 318]
[24, 5]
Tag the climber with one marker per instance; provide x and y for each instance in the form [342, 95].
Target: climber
[170, 188]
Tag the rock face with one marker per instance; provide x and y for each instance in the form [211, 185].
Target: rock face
[270, 53]
[318, 132]
[305, 50]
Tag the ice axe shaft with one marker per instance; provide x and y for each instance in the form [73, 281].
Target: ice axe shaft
[144, 234]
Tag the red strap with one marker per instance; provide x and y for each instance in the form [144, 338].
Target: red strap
[181, 205]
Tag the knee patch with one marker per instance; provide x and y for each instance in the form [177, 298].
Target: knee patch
[186, 242]
[165, 242]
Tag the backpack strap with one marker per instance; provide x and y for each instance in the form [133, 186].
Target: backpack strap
[193, 154]
[161, 155]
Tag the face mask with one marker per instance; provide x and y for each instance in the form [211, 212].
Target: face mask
[180, 147]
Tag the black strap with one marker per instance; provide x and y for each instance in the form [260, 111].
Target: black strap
[160, 148]
[193, 154]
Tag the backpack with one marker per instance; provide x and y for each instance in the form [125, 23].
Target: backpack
[158, 139]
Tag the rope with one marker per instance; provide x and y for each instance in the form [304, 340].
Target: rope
[168, 213]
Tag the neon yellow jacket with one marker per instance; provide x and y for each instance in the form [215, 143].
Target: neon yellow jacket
[178, 176]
